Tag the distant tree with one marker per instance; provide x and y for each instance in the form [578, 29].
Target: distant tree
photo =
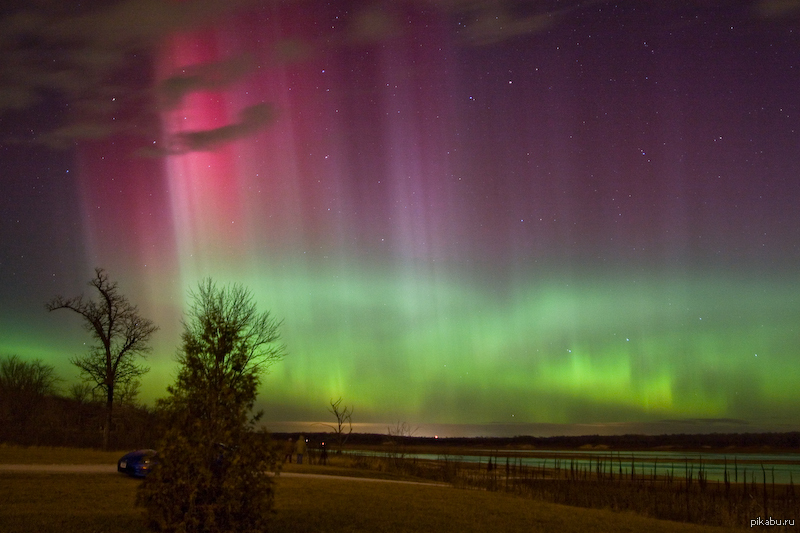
[400, 431]
[344, 423]
[398, 436]
[23, 387]
[213, 472]
[81, 392]
[121, 335]
[128, 393]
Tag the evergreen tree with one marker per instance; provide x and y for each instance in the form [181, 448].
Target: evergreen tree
[213, 466]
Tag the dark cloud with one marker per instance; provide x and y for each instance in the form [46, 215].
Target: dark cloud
[251, 120]
[778, 8]
[65, 136]
[93, 58]
[496, 24]
[119, 25]
[485, 22]
[373, 23]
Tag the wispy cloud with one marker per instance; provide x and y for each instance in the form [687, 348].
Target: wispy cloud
[80, 56]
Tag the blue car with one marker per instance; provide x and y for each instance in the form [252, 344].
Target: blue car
[137, 463]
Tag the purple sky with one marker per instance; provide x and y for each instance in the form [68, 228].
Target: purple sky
[495, 214]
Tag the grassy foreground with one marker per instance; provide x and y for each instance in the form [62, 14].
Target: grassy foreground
[334, 505]
[72, 503]
[67, 503]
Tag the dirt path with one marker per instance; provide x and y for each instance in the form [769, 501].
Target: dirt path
[112, 469]
[61, 469]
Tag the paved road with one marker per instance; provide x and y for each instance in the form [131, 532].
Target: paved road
[112, 469]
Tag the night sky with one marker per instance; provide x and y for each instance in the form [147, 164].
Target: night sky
[477, 218]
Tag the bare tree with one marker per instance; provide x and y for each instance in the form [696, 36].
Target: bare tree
[121, 336]
[399, 434]
[400, 430]
[344, 422]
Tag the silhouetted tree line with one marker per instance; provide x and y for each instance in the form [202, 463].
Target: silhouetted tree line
[788, 440]
[33, 413]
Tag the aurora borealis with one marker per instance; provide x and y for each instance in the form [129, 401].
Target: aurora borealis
[494, 216]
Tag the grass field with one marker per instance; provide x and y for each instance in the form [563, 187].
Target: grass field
[72, 503]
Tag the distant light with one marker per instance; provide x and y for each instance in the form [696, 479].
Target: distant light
[436, 436]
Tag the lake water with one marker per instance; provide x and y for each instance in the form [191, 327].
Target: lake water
[784, 467]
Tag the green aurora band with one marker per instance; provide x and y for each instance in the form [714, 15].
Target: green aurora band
[583, 225]
[583, 349]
